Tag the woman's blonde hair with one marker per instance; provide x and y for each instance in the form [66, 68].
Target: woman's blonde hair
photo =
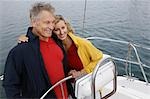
[60, 17]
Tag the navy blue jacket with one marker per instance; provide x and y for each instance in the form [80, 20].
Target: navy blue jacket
[25, 75]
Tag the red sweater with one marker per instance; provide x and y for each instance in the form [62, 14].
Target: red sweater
[53, 56]
[73, 58]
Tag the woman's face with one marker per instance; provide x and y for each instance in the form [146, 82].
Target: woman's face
[61, 30]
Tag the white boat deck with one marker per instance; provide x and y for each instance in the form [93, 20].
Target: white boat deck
[130, 89]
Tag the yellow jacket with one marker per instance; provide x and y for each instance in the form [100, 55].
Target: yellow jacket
[88, 54]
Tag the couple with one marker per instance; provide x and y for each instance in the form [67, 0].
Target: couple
[51, 53]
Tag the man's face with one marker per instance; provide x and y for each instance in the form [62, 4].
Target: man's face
[44, 25]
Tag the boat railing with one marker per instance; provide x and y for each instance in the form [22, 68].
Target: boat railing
[127, 61]
[109, 75]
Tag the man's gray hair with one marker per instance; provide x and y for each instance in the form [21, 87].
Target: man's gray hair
[40, 6]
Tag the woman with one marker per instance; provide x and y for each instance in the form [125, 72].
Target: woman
[82, 56]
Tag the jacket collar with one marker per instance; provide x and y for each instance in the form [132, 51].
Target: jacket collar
[74, 38]
[30, 34]
[35, 45]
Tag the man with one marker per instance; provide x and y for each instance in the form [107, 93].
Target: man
[32, 68]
